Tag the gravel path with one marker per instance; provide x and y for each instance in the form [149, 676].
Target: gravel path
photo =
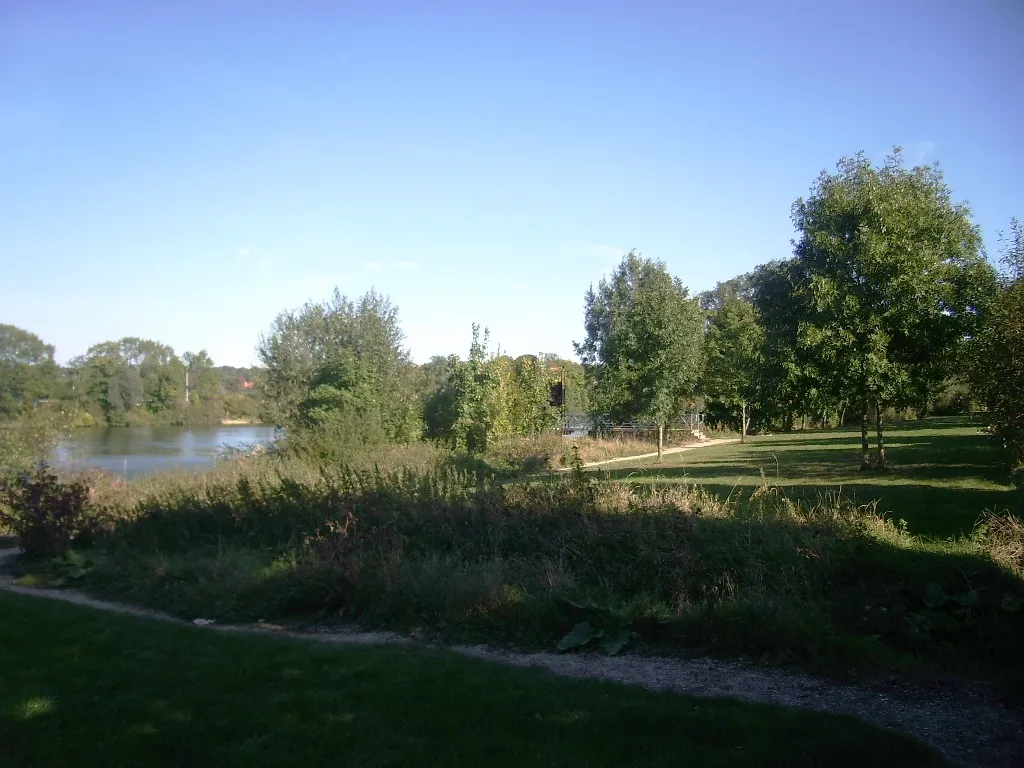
[963, 720]
[664, 452]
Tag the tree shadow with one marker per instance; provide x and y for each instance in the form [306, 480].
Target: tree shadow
[940, 483]
[101, 690]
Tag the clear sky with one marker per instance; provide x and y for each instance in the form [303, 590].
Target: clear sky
[184, 171]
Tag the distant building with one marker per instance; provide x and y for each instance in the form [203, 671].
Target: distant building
[246, 385]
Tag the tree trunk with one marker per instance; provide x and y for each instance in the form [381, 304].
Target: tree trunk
[865, 449]
[743, 422]
[881, 441]
[661, 439]
[842, 418]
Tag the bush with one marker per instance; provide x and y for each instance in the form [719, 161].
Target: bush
[441, 551]
[30, 439]
[46, 514]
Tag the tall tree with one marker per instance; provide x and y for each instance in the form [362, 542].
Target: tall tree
[897, 278]
[27, 370]
[329, 358]
[733, 346]
[998, 353]
[644, 345]
[783, 377]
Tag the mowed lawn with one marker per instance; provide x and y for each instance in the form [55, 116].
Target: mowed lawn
[943, 473]
[85, 688]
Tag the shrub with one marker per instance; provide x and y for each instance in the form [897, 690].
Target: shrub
[46, 513]
[453, 553]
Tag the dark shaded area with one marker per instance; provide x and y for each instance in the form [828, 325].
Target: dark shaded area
[86, 689]
[523, 564]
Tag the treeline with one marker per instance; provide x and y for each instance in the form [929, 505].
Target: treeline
[887, 307]
[336, 376]
[130, 382]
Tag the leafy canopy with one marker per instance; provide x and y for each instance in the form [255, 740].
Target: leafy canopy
[895, 277]
[644, 345]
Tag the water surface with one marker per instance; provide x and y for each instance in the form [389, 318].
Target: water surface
[131, 451]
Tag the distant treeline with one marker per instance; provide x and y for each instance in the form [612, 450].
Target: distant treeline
[131, 382]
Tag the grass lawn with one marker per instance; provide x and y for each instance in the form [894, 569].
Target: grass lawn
[84, 688]
[943, 473]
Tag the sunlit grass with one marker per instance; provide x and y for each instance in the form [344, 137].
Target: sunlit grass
[943, 474]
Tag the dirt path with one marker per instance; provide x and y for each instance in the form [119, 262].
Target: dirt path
[963, 720]
[665, 452]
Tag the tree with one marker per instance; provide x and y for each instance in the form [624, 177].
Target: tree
[129, 381]
[998, 353]
[203, 381]
[733, 348]
[463, 410]
[896, 279]
[1013, 253]
[644, 345]
[783, 376]
[741, 286]
[336, 358]
[27, 370]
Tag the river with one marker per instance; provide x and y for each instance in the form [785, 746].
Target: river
[131, 451]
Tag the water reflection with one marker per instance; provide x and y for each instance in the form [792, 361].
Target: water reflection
[131, 451]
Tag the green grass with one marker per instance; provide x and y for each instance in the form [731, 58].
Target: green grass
[823, 584]
[83, 688]
[943, 473]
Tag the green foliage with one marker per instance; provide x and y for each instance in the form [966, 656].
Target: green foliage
[455, 555]
[998, 356]
[582, 635]
[896, 279]
[339, 359]
[27, 371]
[603, 628]
[47, 514]
[570, 374]
[784, 380]
[734, 345]
[643, 347]
[132, 382]
[486, 398]
[241, 407]
[30, 439]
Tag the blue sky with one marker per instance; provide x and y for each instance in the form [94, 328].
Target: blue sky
[184, 171]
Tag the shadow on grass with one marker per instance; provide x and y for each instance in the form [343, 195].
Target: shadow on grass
[87, 689]
[826, 588]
